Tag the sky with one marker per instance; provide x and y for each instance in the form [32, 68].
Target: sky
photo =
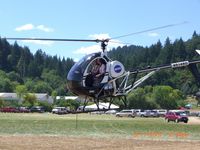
[96, 19]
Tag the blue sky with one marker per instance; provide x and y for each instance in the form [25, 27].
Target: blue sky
[90, 19]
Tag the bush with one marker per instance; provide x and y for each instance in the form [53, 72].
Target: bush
[159, 97]
[73, 104]
[29, 100]
[1, 103]
[47, 106]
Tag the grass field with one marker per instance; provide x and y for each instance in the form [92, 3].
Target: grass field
[86, 125]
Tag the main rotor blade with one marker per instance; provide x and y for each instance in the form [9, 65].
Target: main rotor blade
[97, 40]
[148, 30]
[47, 39]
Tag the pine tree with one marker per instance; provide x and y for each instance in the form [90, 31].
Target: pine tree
[21, 65]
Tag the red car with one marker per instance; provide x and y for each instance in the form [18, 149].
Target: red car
[176, 117]
[9, 109]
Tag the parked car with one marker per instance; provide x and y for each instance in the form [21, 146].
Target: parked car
[139, 112]
[150, 113]
[161, 112]
[97, 112]
[198, 115]
[9, 109]
[59, 110]
[194, 113]
[188, 106]
[24, 110]
[126, 113]
[39, 109]
[176, 117]
[111, 112]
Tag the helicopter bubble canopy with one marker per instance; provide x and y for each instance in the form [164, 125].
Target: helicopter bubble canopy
[79, 74]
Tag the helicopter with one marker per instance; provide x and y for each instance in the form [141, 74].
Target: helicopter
[115, 81]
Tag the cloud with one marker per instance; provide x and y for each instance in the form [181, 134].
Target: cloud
[97, 48]
[153, 34]
[100, 36]
[76, 59]
[47, 43]
[30, 26]
[25, 27]
[88, 50]
[45, 29]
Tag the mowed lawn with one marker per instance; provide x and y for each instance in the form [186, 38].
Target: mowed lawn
[87, 125]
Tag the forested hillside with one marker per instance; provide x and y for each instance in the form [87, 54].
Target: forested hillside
[41, 72]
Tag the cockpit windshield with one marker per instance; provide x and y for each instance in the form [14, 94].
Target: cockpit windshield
[78, 69]
[85, 61]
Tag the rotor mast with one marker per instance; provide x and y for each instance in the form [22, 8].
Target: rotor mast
[104, 43]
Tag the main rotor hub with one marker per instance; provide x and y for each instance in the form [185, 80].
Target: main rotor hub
[104, 43]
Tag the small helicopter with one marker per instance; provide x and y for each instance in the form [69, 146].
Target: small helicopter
[115, 80]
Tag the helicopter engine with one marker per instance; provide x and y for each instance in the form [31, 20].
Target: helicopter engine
[116, 69]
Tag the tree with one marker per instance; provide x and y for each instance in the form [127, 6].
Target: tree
[5, 85]
[138, 99]
[3, 75]
[21, 65]
[1, 103]
[167, 97]
[47, 106]
[30, 85]
[198, 98]
[194, 35]
[5, 50]
[42, 87]
[60, 68]
[179, 53]
[13, 76]
[33, 70]
[21, 91]
[166, 53]
[154, 51]
[155, 97]
[39, 57]
[54, 94]
[29, 100]
[72, 104]
[52, 78]
[15, 55]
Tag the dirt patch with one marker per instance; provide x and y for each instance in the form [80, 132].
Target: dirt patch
[194, 120]
[79, 143]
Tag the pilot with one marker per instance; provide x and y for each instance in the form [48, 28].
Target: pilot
[95, 67]
[98, 71]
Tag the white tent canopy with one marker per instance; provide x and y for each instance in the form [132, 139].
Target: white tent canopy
[101, 106]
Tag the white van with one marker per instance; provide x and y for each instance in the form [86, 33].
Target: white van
[59, 110]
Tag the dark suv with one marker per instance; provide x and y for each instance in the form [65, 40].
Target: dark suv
[176, 117]
[39, 109]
